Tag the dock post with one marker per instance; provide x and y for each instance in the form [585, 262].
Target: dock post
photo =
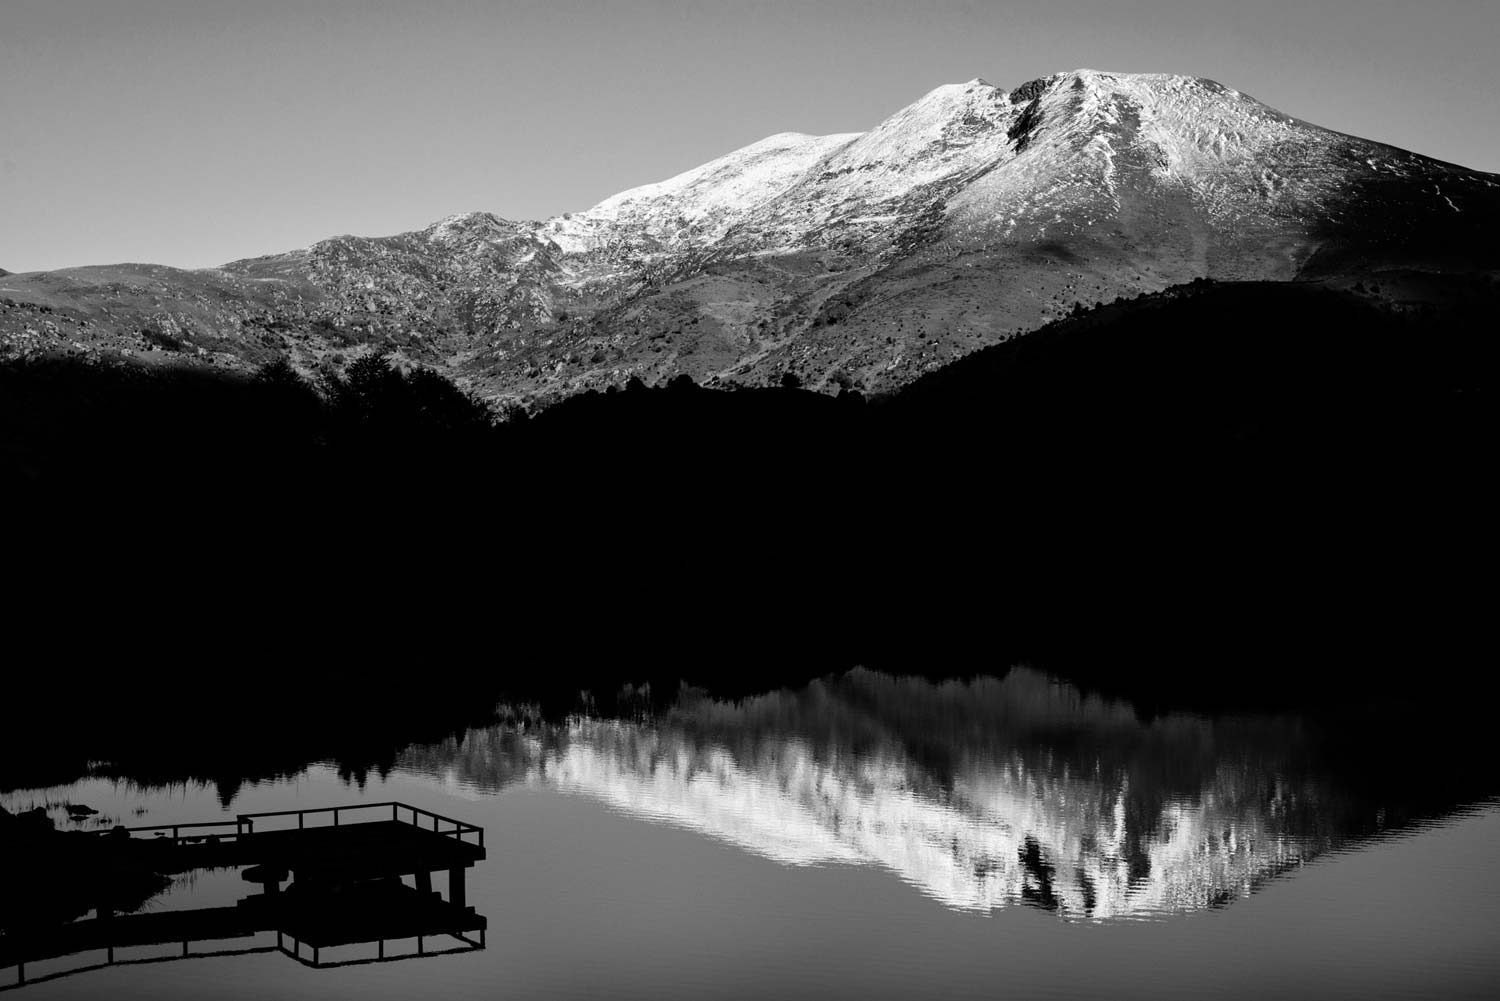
[184, 947]
[419, 945]
[424, 881]
[316, 950]
[380, 947]
[20, 973]
[456, 894]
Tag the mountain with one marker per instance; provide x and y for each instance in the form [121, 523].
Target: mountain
[861, 260]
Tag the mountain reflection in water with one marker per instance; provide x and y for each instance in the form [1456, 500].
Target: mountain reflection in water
[981, 794]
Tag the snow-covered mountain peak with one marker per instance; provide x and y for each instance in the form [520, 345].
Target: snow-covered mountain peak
[952, 130]
[789, 187]
[1059, 154]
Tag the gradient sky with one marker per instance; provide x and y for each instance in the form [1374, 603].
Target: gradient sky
[194, 132]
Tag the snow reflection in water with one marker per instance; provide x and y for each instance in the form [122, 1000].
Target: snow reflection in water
[980, 794]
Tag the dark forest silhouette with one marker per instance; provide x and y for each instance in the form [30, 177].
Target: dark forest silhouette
[1225, 382]
[1167, 497]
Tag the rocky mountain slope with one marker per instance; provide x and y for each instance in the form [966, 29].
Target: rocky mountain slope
[857, 260]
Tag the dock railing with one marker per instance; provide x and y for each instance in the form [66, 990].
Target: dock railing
[400, 812]
[244, 824]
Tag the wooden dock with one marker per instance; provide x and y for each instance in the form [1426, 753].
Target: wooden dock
[344, 864]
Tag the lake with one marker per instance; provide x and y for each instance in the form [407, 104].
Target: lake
[878, 837]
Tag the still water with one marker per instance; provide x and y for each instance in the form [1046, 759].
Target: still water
[892, 838]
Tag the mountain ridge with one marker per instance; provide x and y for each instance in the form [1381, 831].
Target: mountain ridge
[856, 260]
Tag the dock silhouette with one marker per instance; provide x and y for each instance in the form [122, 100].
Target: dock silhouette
[344, 868]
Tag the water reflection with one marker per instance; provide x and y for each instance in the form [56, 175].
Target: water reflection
[980, 794]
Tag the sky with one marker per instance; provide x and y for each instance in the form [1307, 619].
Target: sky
[196, 132]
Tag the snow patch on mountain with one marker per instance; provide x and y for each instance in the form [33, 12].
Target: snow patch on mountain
[698, 204]
[949, 135]
[951, 129]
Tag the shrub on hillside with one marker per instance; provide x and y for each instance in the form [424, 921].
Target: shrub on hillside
[375, 397]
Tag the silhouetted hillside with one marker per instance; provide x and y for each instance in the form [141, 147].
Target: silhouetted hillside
[1255, 379]
[145, 435]
[1222, 472]
[1270, 380]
